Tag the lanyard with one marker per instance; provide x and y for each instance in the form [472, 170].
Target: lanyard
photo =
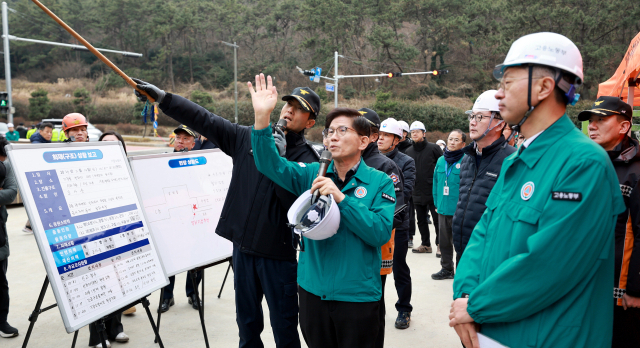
[448, 171]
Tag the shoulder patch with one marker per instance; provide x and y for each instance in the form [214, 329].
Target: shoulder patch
[387, 197]
[302, 164]
[395, 178]
[567, 196]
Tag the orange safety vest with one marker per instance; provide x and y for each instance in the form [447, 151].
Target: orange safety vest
[387, 255]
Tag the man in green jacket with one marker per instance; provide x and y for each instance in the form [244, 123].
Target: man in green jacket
[12, 134]
[537, 271]
[446, 189]
[339, 277]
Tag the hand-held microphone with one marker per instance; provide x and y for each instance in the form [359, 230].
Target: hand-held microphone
[281, 125]
[325, 159]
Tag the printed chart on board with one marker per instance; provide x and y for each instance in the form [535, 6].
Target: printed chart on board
[89, 226]
[183, 194]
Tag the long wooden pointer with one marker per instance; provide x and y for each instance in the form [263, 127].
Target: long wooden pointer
[93, 50]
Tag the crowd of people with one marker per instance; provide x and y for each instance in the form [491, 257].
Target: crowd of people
[540, 216]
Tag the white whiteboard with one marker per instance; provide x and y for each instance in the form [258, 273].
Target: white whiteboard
[183, 194]
[89, 226]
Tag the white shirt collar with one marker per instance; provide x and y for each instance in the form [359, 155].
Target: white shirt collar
[531, 139]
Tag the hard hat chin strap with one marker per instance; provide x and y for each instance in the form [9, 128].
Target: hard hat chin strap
[489, 129]
[516, 129]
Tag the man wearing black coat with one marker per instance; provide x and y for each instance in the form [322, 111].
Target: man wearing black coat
[254, 216]
[374, 159]
[426, 155]
[480, 167]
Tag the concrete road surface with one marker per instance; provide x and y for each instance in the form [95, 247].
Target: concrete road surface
[180, 326]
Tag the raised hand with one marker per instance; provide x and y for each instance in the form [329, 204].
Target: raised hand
[264, 99]
[155, 92]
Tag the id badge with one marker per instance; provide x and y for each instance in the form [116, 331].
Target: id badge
[446, 191]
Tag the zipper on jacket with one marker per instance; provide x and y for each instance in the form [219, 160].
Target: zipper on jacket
[468, 199]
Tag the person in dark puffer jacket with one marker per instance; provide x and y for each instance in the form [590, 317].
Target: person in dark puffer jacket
[480, 167]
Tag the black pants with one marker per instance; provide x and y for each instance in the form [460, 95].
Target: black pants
[382, 312]
[113, 328]
[401, 273]
[421, 214]
[336, 324]
[412, 219]
[626, 327]
[276, 280]
[4, 291]
[168, 290]
[446, 241]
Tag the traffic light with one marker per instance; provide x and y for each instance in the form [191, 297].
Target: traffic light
[394, 74]
[439, 72]
[4, 103]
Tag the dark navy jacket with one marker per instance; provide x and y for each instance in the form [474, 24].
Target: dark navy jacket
[374, 159]
[408, 167]
[475, 185]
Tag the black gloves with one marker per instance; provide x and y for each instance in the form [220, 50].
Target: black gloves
[155, 92]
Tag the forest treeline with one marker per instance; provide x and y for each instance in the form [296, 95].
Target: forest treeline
[180, 40]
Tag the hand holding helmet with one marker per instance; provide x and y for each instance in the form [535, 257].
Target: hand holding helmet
[327, 187]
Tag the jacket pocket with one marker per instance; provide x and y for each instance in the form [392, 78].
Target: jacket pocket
[524, 223]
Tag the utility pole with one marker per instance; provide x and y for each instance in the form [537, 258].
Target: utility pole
[7, 59]
[335, 75]
[235, 72]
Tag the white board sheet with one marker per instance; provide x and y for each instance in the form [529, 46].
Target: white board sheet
[183, 194]
[89, 226]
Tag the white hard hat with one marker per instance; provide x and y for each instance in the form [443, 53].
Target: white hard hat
[317, 226]
[417, 125]
[391, 126]
[405, 126]
[549, 49]
[10, 125]
[486, 102]
[441, 142]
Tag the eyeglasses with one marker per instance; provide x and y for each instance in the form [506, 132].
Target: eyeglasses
[478, 117]
[342, 130]
[505, 83]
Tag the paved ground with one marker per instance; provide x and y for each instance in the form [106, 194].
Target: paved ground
[180, 327]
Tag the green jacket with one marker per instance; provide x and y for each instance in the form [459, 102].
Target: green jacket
[12, 136]
[539, 264]
[7, 195]
[446, 204]
[345, 267]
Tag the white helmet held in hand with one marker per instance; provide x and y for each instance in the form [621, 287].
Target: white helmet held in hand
[486, 102]
[391, 126]
[405, 126]
[313, 225]
[418, 125]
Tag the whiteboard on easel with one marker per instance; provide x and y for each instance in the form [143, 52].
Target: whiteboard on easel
[183, 194]
[89, 225]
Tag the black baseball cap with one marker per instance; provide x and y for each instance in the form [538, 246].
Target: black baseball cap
[607, 106]
[371, 116]
[309, 100]
[183, 128]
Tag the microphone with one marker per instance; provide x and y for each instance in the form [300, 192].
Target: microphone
[325, 159]
[281, 125]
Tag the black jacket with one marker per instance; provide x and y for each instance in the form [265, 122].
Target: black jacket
[254, 215]
[37, 138]
[426, 155]
[408, 167]
[626, 161]
[404, 145]
[475, 186]
[206, 145]
[374, 159]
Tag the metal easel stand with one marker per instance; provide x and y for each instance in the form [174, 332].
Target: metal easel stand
[36, 312]
[192, 274]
